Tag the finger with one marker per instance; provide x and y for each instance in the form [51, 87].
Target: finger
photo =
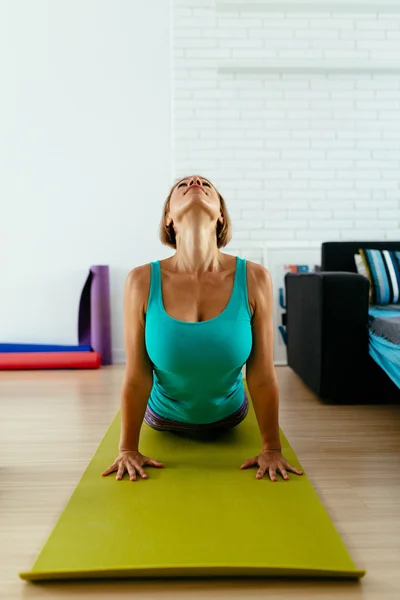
[121, 471]
[249, 462]
[140, 470]
[290, 468]
[110, 469]
[272, 473]
[284, 474]
[260, 473]
[154, 463]
[131, 471]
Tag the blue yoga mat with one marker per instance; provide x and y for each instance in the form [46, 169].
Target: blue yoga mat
[42, 348]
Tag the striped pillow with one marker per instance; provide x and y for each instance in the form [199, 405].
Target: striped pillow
[361, 270]
[383, 268]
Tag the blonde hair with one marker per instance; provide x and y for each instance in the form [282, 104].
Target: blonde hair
[223, 230]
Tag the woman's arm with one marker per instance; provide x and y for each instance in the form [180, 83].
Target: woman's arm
[138, 380]
[260, 371]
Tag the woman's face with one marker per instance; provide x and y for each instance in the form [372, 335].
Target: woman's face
[191, 190]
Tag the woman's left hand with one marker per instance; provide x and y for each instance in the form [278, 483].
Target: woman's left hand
[271, 461]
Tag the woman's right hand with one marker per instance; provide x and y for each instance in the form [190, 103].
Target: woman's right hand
[132, 462]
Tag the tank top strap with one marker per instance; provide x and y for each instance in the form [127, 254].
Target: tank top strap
[155, 284]
[241, 287]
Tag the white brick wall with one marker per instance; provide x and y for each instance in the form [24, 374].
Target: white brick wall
[293, 114]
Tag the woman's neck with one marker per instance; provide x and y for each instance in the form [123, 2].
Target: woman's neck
[197, 252]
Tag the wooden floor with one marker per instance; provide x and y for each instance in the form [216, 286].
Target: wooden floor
[51, 423]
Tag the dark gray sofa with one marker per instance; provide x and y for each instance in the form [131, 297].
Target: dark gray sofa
[327, 329]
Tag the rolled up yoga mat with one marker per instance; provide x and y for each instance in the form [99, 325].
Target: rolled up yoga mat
[94, 333]
[200, 515]
[49, 360]
[94, 321]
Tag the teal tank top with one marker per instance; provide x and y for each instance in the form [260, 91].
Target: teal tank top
[197, 366]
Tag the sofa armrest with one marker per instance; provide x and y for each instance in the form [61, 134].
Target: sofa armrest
[327, 332]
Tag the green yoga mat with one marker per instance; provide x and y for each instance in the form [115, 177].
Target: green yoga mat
[200, 515]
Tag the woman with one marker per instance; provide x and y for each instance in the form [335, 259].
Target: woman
[191, 322]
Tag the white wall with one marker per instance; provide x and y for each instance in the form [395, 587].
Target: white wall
[294, 111]
[84, 154]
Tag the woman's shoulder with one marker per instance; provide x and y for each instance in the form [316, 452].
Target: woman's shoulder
[139, 276]
[138, 283]
[258, 282]
[257, 271]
